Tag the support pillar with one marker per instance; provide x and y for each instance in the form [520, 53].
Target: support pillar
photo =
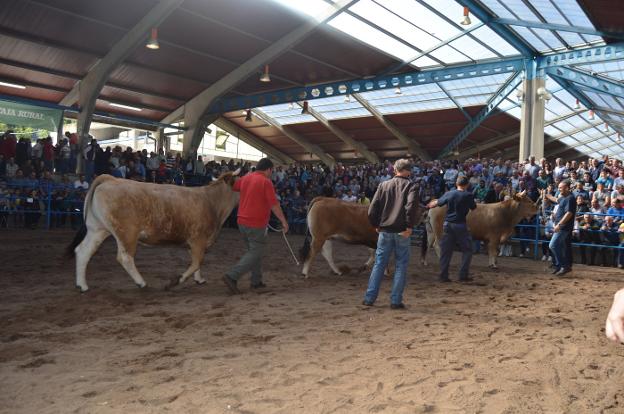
[532, 119]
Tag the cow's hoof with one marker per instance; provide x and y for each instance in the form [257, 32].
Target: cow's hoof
[201, 282]
[83, 290]
[142, 285]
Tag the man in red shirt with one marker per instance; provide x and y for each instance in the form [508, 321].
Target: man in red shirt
[257, 201]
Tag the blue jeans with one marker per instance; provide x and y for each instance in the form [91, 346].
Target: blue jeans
[387, 243]
[558, 247]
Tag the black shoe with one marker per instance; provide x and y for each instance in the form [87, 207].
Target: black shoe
[555, 271]
[258, 285]
[231, 285]
[444, 280]
[397, 306]
[466, 279]
[365, 303]
[563, 271]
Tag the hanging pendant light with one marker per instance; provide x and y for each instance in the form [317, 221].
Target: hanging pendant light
[347, 98]
[291, 106]
[152, 43]
[304, 109]
[619, 138]
[591, 115]
[398, 90]
[578, 104]
[265, 76]
[466, 21]
[248, 116]
[606, 129]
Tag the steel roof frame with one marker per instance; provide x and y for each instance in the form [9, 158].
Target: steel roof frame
[500, 95]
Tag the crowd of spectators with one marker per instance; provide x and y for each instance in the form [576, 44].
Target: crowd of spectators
[29, 172]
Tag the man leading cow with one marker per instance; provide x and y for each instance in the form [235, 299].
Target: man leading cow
[257, 201]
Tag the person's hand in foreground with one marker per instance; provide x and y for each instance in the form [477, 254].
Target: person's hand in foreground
[615, 320]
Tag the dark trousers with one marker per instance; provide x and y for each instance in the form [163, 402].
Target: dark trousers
[455, 234]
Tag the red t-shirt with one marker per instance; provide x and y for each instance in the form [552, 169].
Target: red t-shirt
[257, 196]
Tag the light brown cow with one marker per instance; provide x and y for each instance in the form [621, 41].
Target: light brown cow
[493, 223]
[152, 214]
[330, 218]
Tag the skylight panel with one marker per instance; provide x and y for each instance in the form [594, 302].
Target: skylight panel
[552, 131]
[549, 12]
[472, 100]
[605, 141]
[593, 145]
[310, 7]
[574, 13]
[295, 119]
[564, 126]
[449, 55]
[550, 39]
[530, 38]
[348, 113]
[416, 106]
[521, 10]
[569, 141]
[488, 36]
[371, 36]
[394, 24]
[515, 112]
[572, 39]
[498, 9]
[583, 149]
[577, 121]
[424, 62]
[425, 18]
[472, 48]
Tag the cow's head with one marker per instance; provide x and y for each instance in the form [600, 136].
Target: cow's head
[228, 178]
[527, 208]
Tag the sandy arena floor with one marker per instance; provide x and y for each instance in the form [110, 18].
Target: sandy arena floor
[517, 341]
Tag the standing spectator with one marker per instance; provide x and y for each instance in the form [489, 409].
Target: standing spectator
[393, 213]
[37, 152]
[64, 163]
[89, 153]
[532, 168]
[564, 224]
[48, 154]
[349, 197]
[21, 152]
[11, 168]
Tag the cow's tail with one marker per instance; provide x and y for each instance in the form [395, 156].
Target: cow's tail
[82, 231]
[304, 252]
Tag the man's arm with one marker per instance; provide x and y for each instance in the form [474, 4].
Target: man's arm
[410, 211]
[277, 210]
[439, 202]
[374, 213]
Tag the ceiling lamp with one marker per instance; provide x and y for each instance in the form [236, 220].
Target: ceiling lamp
[520, 95]
[578, 104]
[12, 85]
[291, 106]
[398, 90]
[248, 116]
[265, 76]
[304, 108]
[606, 127]
[591, 115]
[619, 138]
[152, 43]
[347, 98]
[466, 21]
[122, 106]
[544, 94]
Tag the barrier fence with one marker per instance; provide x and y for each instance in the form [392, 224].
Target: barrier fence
[60, 203]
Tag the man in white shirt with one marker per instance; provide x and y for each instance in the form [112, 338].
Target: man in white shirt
[349, 197]
[80, 183]
[559, 173]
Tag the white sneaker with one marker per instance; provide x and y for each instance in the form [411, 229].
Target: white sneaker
[544, 258]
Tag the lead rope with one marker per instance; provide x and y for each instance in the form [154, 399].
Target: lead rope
[287, 243]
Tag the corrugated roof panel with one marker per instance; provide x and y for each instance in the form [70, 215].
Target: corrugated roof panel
[531, 38]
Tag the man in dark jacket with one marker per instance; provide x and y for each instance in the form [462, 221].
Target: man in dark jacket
[393, 212]
[459, 203]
